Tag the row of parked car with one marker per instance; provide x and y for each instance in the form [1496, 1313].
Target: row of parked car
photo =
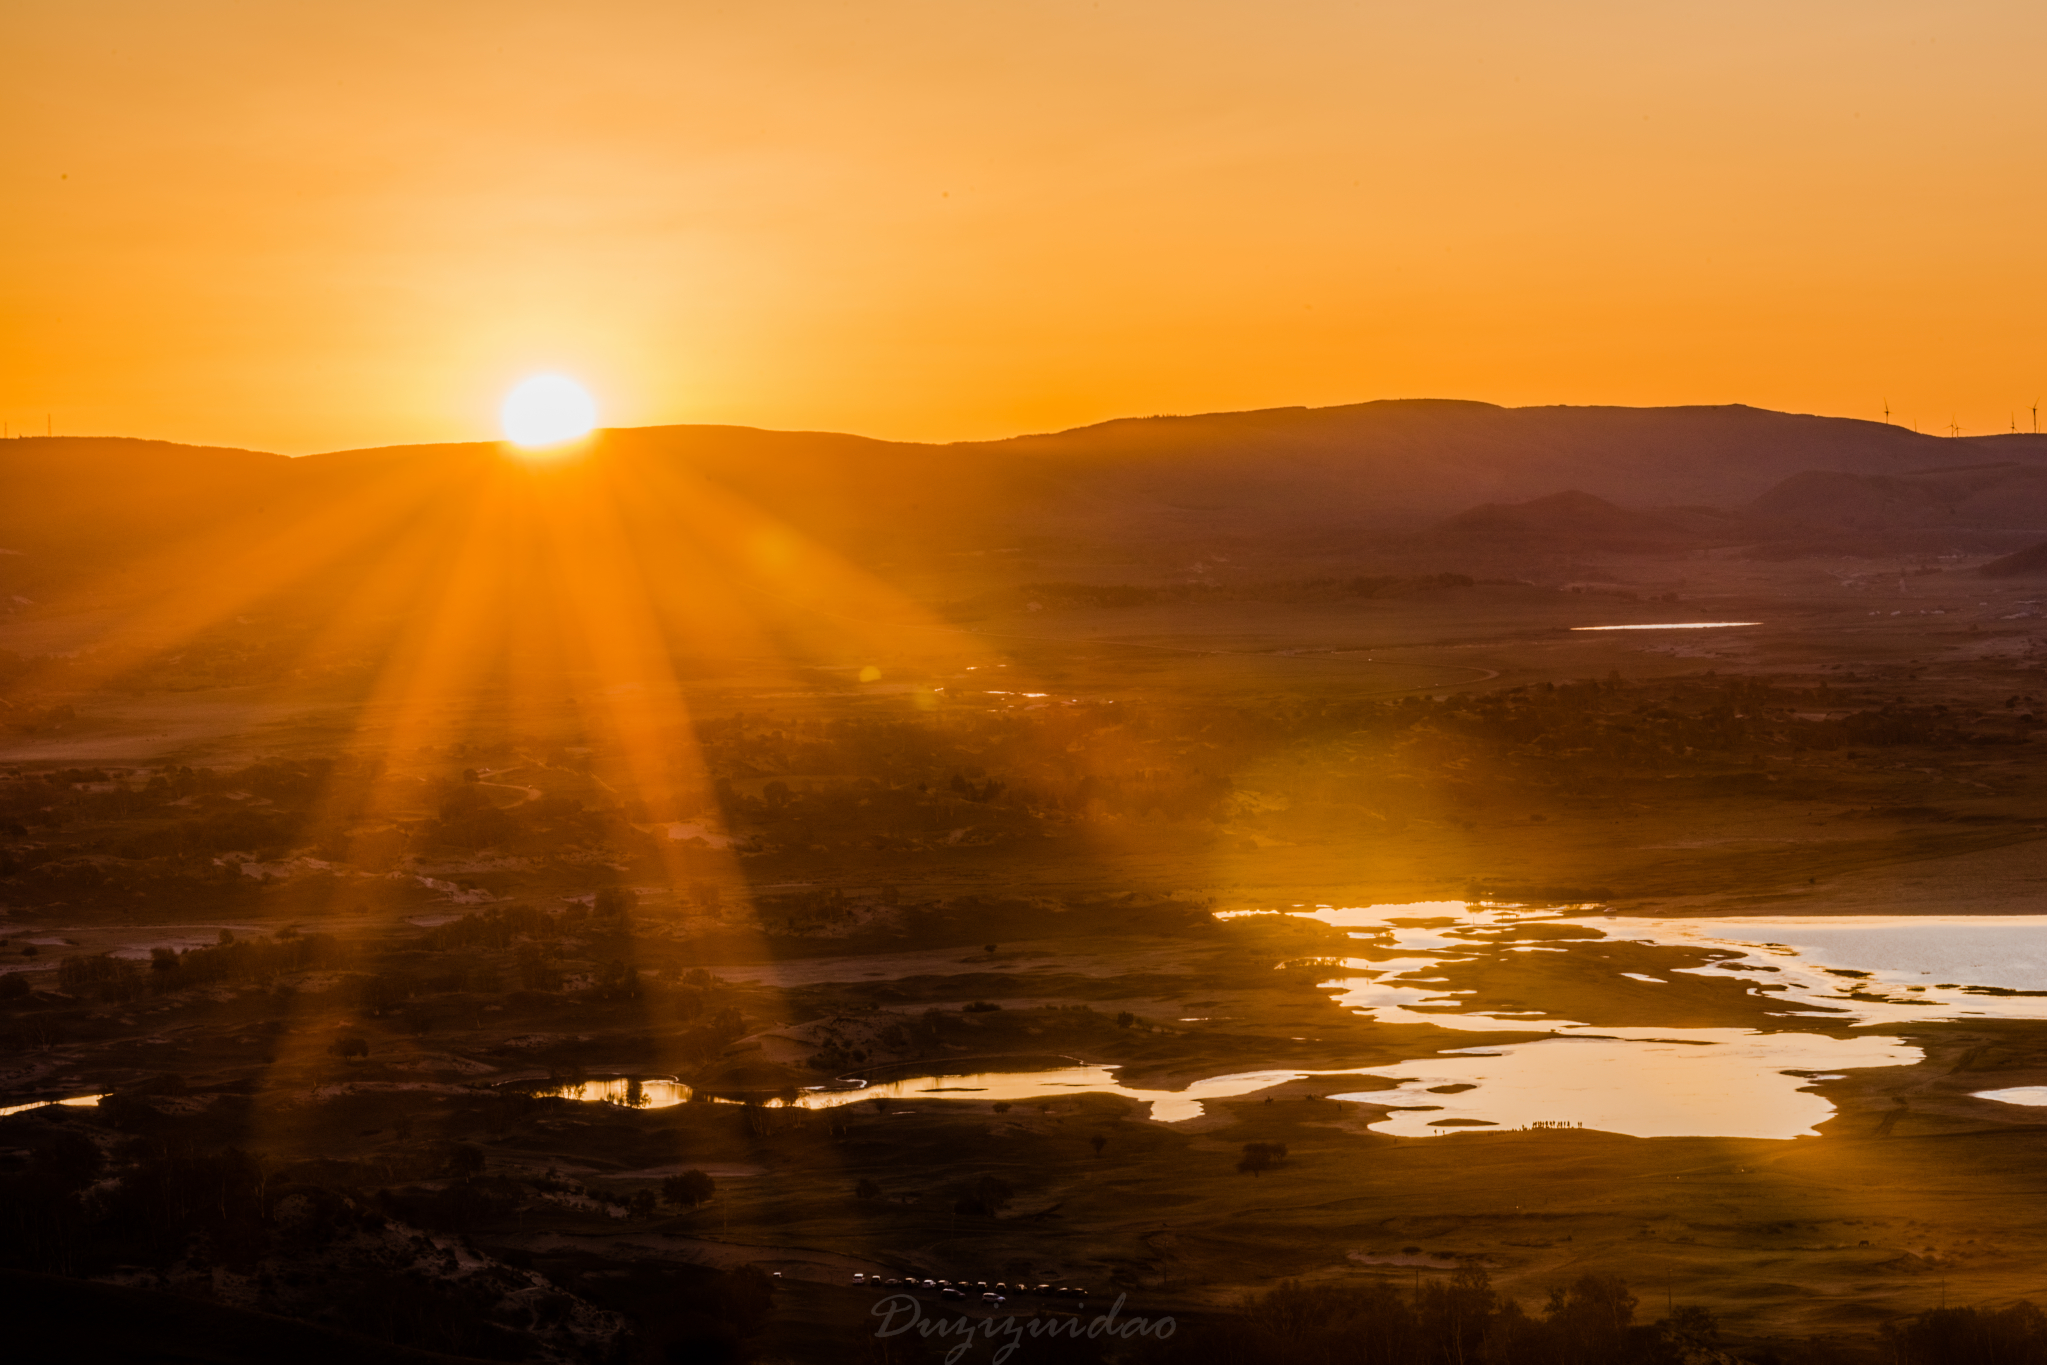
[999, 1292]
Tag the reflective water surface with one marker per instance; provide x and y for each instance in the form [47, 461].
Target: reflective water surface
[654, 1092]
[1833, 984]
[75, 1101]
[1661, 1083]
[1848, 973]
[2023, 1094]
[1820, 992]
[1016, 1087]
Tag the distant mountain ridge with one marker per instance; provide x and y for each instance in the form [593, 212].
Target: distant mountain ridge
[2027, 563]
[1392, 466]
[2005, 495]
[1580, 519]
[1822, 510]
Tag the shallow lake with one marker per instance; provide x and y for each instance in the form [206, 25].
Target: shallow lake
[2024, 1094]
[1814, 996]
[1822, 990]
[74, 1101]
[1848, 975]
[1016, 1087]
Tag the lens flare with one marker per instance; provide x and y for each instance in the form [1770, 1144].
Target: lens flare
[547, 410]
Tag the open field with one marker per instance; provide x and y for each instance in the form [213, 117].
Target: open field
[1037, 810]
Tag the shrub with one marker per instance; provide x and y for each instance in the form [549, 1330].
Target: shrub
[691, 1188]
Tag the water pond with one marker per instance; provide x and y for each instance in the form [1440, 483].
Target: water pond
[1430, 963]
[1818, 992]
[2024, 1094]
[74, 1101]
[1814, 998]
[1015, 1087]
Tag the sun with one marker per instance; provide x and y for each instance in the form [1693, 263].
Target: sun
[547, 410]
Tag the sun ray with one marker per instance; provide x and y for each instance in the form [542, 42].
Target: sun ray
[552, 601]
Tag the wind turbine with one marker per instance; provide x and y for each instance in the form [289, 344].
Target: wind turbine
[1952, 429]
[1887, 412]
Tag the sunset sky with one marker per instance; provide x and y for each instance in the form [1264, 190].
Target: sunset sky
[312, 225]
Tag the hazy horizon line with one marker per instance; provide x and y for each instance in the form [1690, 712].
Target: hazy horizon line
[1028, 435]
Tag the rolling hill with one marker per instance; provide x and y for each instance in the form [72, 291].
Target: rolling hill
[1274, 476]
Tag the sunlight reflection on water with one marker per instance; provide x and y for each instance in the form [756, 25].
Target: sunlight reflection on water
[1015, 1087]
[1667, 1081]
[75, 1102]
[2020, 1094]
[1675, 625]
[1640, 1081]
[1643, 1082]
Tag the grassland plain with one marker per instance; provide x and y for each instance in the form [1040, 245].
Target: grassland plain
[1036, 810]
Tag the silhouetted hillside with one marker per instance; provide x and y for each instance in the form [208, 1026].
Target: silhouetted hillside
[1576, 520]
[1274, 476]
[61, 490]
[2026, 563]
[2004, 495]
[1410, 461]
[84, 1320]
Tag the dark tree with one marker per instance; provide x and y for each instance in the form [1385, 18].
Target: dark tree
[691, 1187]
[1261, 1156]
[1695, 1329]
[1970, 1336]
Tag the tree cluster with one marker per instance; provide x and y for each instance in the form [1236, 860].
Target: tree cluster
[1462, 1322]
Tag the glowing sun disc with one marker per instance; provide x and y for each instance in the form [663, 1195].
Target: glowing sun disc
[547, 410]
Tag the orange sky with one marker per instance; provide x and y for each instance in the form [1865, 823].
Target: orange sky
[310, 225]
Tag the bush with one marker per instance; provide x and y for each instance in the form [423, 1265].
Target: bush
[1971, 1336]
[102, 974]
[1590, 1320]
[1261, 1156]
[691, 1188]
[464, 1159]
